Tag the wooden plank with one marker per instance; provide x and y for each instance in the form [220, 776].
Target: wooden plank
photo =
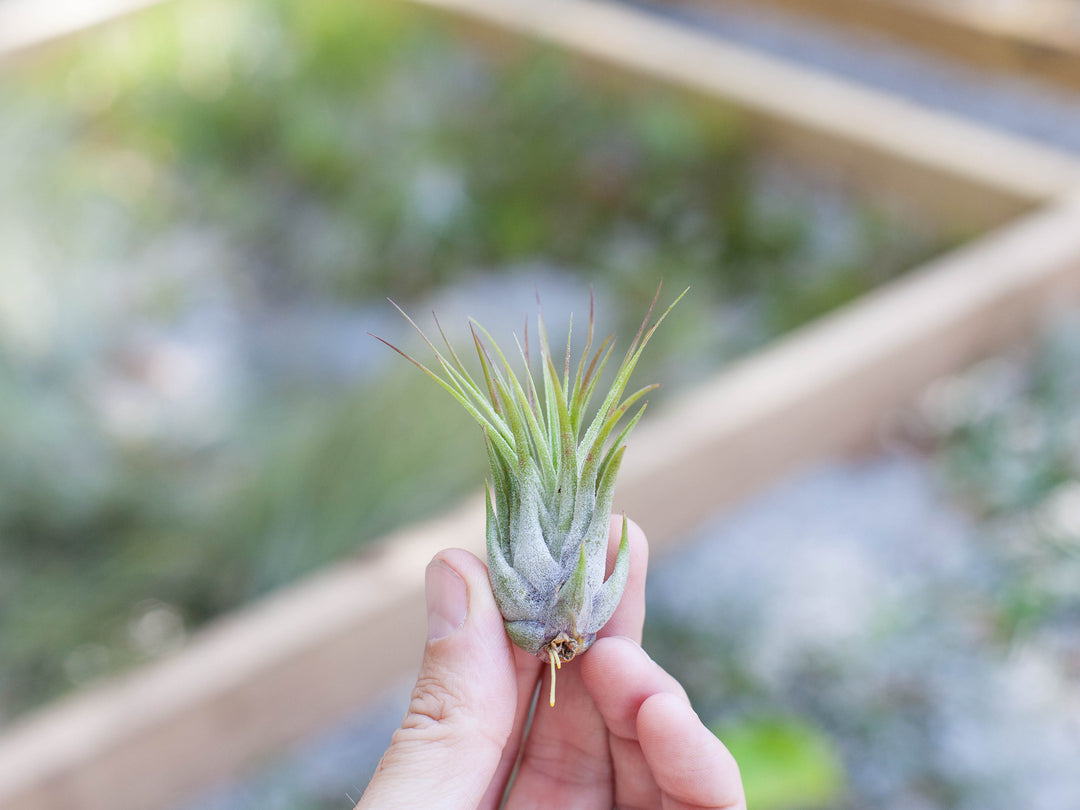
[287, 666]
[961, 172]
[26, 24]
[1039, 39]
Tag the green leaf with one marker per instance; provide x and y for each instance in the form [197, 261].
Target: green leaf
[612, 590]
[786, 764]
[521, 405]
[574, 594]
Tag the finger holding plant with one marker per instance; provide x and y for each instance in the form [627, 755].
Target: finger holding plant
[624, 733]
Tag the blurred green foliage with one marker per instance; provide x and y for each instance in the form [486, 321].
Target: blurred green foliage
[246, 158]
[785, 764]
[400, 160]
[1007, 439]
[87, 549]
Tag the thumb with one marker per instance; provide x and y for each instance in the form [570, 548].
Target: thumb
[462, 707]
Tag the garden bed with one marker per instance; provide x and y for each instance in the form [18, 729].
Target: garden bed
[294, 643]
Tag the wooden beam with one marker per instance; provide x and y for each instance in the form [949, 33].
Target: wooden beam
[1039, 39]
[26, 24]
[963, 173]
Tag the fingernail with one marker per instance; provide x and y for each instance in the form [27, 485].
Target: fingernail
[447, 600]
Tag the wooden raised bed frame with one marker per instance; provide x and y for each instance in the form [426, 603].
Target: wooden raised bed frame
[1039, 39]
[282, 668]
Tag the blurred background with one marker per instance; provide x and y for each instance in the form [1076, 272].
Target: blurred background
[204, 207]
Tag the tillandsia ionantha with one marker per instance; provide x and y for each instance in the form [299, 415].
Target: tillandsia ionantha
[551, 487]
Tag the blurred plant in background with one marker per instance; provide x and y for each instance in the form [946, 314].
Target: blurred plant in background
[785, 763]
[1007, 433]
[200, 207]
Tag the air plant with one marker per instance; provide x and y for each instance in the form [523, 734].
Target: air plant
[552, 480]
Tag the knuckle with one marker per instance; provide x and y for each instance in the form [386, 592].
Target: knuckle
[441, 714]
[432, 706]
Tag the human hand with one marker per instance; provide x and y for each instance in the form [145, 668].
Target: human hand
[622, 732]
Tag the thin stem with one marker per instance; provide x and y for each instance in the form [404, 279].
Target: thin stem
[555, 664]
